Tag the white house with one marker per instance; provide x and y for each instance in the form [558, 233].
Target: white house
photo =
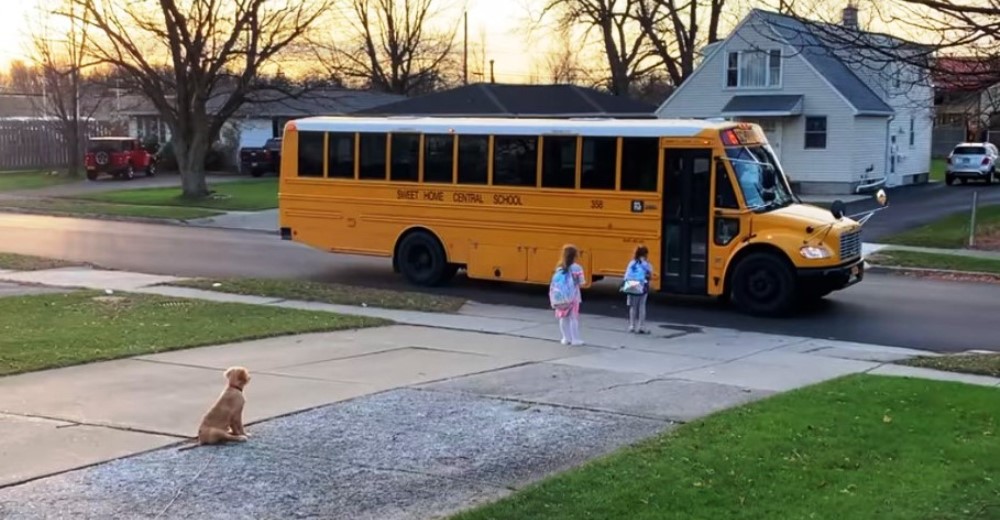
[841, 117]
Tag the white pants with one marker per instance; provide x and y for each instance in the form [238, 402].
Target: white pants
[570, 329]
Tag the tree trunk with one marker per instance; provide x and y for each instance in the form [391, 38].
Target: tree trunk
[74, 151]
[191, 153]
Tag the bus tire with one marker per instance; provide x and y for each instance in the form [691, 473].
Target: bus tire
[422, 259]
[763, 285]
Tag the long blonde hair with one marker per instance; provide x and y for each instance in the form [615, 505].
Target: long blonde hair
[569, 254]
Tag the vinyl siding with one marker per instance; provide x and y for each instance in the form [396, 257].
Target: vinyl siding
[704, 95]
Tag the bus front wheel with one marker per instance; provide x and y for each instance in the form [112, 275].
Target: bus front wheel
[422, 260]
[763, 285]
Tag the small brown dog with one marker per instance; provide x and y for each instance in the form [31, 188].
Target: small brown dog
[224, 421]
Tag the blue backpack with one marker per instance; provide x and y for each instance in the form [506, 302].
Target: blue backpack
[562, 290]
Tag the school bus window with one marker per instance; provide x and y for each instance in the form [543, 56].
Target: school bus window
[600, 155]
[439, 158]
[372, 156]
[473, 159]
[559, 162]
[515, 161]
[639, 158]
[310, 154]
[725, 195]
[340, 156]
[405, 152]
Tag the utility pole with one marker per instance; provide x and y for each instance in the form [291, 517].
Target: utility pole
[465, 51]
[493, 78]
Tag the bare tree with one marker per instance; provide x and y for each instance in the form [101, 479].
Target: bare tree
[625, 45]
[393, 46]
[196, 60]
[678, 29]
[563, 65]
[61, 64]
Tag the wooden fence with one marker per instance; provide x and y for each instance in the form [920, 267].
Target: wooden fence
[39, 144]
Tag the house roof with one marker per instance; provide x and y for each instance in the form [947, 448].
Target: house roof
[763, 105]
[499, 100]
[272, 103]
[21, 105]
[965, 74]
[805, 37]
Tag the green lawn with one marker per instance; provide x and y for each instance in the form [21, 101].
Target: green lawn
[27, 180]
[855, 448]
[934, 261]
[48, 331]
[248, 195]
[88, 208]
[329, 293]
[31, 263]
[950, 232]
[938, 167]
[979, 364]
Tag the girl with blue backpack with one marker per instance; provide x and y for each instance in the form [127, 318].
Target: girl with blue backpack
[636, 288]
[565, 296]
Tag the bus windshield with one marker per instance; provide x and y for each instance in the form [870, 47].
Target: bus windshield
[750, 164]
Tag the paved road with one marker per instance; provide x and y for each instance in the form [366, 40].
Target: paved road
[896, 311]
[915, 206]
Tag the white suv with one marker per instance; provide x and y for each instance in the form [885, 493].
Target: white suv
[976, 161]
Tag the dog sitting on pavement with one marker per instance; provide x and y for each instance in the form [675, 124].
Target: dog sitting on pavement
[224, 421]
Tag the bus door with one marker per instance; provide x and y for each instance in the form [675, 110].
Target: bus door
[687, 188]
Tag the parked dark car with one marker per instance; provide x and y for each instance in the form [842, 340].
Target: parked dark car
[260, 160]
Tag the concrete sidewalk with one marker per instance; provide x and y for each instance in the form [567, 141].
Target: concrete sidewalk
[970, 253]
[426, 417]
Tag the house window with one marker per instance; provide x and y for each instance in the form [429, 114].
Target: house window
[815, 133]
[912, 124]
[753, 69]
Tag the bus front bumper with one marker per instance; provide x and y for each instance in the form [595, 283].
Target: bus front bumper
[833, 278]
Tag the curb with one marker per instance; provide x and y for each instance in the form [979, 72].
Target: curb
[897, 270]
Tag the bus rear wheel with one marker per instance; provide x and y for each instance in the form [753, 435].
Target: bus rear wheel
[763, 285]
[422, 260]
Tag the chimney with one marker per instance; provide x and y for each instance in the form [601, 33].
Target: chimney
[851, 16]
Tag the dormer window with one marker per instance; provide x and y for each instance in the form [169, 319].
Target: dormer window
[753, 69]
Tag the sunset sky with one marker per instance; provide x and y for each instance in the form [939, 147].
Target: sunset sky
[504, 23]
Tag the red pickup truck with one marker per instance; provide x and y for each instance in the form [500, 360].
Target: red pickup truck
[120, 157]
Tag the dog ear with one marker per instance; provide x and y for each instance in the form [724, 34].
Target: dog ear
[228, 374]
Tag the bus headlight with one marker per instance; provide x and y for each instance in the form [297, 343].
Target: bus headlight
[815, 252]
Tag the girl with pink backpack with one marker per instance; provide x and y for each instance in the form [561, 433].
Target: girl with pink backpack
[565, 296]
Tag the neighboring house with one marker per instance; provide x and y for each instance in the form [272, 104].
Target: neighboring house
[264, 115]
[967, 99]
[524, 101]
[840, 121]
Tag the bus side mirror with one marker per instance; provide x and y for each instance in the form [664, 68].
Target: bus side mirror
[882, 198]
[838, 208]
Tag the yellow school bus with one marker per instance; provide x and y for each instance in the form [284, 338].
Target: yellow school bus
[500, 197]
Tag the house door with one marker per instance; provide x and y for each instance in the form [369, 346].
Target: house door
[686, 195]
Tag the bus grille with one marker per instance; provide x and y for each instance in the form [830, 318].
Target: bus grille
[850, 245]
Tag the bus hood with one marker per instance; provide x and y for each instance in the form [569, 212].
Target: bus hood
[804, 216]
